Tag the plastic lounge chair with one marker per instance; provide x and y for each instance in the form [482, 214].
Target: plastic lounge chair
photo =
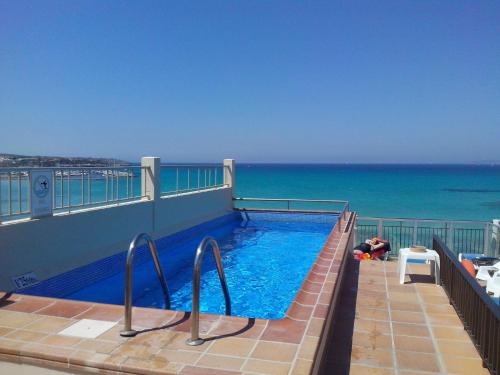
[486, 273]
[493, 285]
[480, 260]
[469, 256]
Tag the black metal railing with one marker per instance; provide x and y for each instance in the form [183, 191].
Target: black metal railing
[460, 236]
[479, 314]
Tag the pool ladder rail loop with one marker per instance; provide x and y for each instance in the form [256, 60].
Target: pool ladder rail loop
[127, 330]
[195, 339]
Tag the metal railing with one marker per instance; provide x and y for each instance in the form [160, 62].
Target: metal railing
[184, 178]
[127, 330]
[14, 193]
[86, 187]
[73, 188]
[195, 339]
[284, 204]
[479, 237]
[324, 206]
[479, 315]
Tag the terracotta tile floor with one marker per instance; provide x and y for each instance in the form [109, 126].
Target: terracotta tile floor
[387, 328]
[29, 328]
[381, 327]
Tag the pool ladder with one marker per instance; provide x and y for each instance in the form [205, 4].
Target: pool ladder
[195, 311]
[127, 330]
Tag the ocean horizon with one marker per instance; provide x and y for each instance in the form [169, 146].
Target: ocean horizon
[424, 191]
[430, 191]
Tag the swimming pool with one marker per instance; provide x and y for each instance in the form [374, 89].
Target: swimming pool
[266, 256]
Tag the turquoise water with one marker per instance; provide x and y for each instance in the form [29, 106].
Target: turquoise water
[258, 256]
[439, 192]
[423, 191]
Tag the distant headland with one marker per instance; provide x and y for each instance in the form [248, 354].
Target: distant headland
[12, 160]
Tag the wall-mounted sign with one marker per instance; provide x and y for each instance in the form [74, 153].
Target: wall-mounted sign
[25, 280]
[41, 193]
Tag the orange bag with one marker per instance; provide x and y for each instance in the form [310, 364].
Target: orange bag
[469, 267]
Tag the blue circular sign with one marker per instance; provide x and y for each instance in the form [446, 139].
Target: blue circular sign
[41, 186]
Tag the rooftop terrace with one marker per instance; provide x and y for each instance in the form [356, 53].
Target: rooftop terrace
[347, 317]
[382, 328]
[386, 328]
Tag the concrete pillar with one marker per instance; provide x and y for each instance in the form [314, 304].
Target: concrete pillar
[229, 171]
[229, 176]
[496, 237]
[150, 178]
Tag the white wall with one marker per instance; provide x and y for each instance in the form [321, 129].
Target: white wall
[57, 244]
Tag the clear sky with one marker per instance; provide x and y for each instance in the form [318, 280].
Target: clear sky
[265, 81]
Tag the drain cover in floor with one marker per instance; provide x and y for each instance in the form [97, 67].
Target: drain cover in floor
[87, 328]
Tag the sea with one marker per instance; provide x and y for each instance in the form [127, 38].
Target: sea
[453, 192]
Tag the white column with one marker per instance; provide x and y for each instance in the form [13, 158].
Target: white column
[229, 171]
[496, 237]
[150, 178]
[229, 176]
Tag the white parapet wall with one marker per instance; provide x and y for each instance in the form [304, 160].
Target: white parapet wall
[49, 246]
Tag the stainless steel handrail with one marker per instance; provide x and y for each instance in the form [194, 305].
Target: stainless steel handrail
[127, 330]
[194, 178]
[412, 219]
[290, 200]
[195, 310]
[342, 215]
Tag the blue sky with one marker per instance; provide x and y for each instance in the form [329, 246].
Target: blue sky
[265, 81]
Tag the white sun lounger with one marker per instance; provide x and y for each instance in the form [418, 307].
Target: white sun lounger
[486, 273]
[493, 285]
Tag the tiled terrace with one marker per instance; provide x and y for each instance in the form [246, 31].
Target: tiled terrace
[398, 329]
[382, 327]
[30, 327]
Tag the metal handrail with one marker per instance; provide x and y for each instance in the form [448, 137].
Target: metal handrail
[342, 214]
[127, 330]
[195, 339]
[192, 165]
[290, 200]
[412, 219]
[194, 178]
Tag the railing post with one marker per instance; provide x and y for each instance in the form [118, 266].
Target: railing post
[486, 239]
[229, 176]
[496, 237]
[355, 231]
[450, 236]
[380, 228]
[415, 228]
[1, 196]
[151, 185]
[150, 177]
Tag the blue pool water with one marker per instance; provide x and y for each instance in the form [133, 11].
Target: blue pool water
[265, 260]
